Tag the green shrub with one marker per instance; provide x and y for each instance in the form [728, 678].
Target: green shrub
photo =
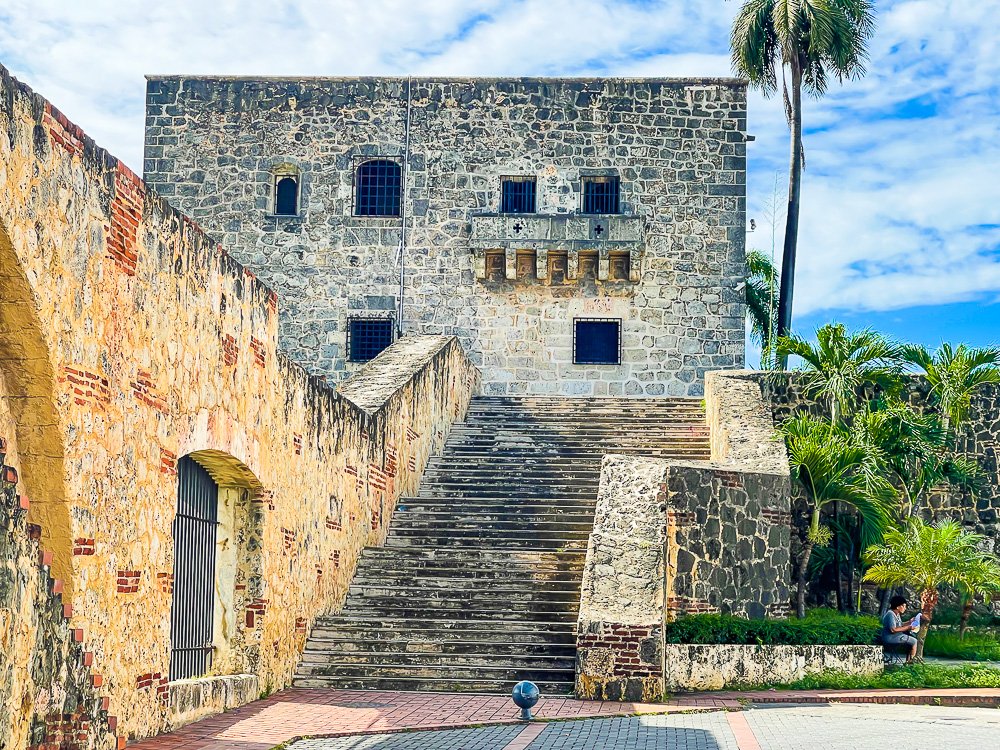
[818, 628]
[977, 645]
[909, 676]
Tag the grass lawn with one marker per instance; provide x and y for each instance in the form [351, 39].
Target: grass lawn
[978, 645]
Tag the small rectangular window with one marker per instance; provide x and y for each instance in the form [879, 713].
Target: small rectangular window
[517, 195]
[368, 337]
[601, 195]
[597, 341]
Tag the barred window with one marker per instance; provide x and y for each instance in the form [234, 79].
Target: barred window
[378, 188]
[368, 337]
[517, 195]
[601, 195]
[286, 196]
[597, 341]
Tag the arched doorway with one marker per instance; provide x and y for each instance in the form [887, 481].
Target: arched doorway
[30, 383]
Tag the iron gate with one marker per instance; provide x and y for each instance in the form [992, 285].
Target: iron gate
[193, 613]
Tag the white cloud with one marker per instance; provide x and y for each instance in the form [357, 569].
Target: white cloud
[900, 190]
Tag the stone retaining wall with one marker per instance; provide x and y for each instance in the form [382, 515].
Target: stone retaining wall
[130, 340]
[722, 666]
[672, 538]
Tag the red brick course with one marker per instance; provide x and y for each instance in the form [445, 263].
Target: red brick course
[145, 392]
[126, 215]
[86, 388]
[128, 581]
[230, 351]
[624, 641]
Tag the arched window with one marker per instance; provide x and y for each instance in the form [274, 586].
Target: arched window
[377, 188]
[286, 195]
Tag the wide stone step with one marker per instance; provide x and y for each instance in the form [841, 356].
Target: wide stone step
[514, 506]
[443, 629]
[494, 672]
[320, 648]
[413, 521]
[442, 557]
[506, 543]
[437, 684]
[315, 661]
[363, 594]
[512, 513]
[517, 611]
[459, 577]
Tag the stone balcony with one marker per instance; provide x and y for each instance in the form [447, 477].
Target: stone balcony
[557, 247]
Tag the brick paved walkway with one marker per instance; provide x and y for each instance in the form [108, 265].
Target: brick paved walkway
[336, 713]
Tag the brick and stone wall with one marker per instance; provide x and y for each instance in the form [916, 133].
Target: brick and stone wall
[508, 286]
[131, 339]
[672, 538]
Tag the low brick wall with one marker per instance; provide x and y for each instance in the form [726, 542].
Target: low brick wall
[714, 667]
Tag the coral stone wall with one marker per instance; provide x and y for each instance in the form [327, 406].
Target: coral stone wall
[129, 340]
[214, 146]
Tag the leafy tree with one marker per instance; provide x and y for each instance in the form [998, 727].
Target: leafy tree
[954, 375]
[982, 580]
[927, 556]
[761, 292]
[832, 465]
[812, 40]
[840, 363]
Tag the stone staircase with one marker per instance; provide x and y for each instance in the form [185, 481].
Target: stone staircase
[478, 585]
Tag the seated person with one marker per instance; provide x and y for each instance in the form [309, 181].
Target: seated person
[895, 631]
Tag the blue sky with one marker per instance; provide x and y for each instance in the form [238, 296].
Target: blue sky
[901, 196]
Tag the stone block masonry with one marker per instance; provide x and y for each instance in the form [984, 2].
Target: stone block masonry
[509, 286]
[132, 342]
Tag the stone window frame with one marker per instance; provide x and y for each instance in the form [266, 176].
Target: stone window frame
[599, 176]
[618, 321]
[279, 172]
[387, 316]
[532, 178]
[357, 162]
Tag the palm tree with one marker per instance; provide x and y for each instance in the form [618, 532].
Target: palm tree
[761, 288]
[916, 449]
[982, 580]
[812, 40]
[927, 556]
[833, 466]
[954, 375]
[840, 363]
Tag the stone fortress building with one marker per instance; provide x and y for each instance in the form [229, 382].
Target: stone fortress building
[580, 237]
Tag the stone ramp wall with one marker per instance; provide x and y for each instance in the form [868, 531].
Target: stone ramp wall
[673, 537]
[130, 339]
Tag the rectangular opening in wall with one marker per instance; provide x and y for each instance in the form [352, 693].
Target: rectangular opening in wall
[368, 337]
[601, 195]
[619, 267]
[558, 267]
[597, 341]
[517, 195]
[527, 268]
[587, 264]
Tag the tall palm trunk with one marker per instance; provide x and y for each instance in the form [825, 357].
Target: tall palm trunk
[803, 572]
[928, 601]
[963, 624]
[792, 215]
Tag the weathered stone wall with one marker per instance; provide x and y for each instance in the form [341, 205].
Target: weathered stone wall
[213, 145]
[672, 538]
[724, 666]
[128, 340]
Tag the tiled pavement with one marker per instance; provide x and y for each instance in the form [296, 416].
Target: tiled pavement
[769, 727]
[293, 713]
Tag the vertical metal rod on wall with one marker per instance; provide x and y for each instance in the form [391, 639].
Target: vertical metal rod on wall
[402, 212]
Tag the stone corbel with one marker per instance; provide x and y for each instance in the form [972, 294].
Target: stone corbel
[542, 263]
[479, 263]
[603, 264]
[572, 263]
[634, 266]
[510, 263]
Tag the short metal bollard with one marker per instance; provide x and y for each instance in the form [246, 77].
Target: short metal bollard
[525, 695]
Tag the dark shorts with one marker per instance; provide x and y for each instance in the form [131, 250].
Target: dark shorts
[898, 639]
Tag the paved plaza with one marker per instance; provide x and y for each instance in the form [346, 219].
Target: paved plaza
[761, 727]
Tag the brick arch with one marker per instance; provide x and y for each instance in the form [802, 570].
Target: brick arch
[26, 365]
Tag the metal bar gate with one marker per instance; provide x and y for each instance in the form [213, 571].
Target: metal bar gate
[193, 613]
